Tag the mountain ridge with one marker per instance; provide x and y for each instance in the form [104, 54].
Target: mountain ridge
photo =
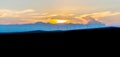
[74, 38]
[48, 27]
[61, 31]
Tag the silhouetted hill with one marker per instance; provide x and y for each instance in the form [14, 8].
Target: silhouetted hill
[47, 27]
[79, 30]
[60, 39]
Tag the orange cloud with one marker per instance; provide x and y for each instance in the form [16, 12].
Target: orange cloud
[32, 16]
[14, 13]
[108, 17]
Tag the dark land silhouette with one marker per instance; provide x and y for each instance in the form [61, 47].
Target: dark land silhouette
[60, 39]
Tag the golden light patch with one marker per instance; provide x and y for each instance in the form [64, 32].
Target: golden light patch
[61, 21]
[58, 21]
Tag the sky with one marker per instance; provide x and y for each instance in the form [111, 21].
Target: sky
[76, 11]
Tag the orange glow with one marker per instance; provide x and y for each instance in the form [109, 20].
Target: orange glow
[58, 21]
[61, 21]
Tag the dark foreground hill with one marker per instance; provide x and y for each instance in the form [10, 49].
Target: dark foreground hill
[61, 39]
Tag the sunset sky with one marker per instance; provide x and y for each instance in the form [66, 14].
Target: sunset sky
[69, 11]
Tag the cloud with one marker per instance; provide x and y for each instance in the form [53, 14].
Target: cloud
[109, 18]
[16, 16]
[14, 13]
[33, 16]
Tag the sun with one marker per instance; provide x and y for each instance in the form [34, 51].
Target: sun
[58, 21]
[61, 21]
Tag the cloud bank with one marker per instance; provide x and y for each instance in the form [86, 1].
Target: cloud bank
[32, 16]
[107, 17]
